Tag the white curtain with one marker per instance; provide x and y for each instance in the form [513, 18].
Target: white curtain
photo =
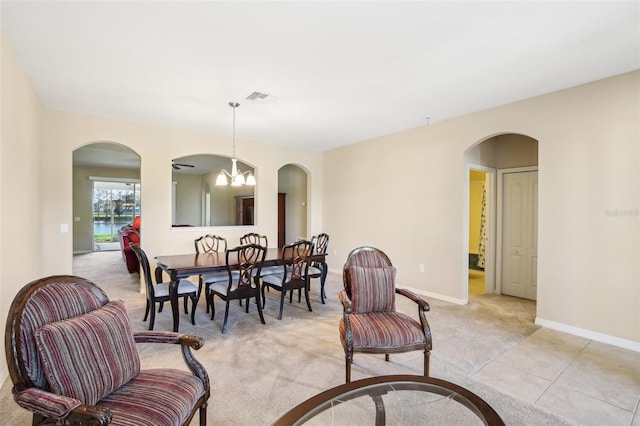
[483, 228]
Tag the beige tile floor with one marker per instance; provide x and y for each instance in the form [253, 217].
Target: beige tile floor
[581, 380]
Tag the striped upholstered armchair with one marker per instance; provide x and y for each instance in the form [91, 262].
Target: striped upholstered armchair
[72, 359]
[370, 322]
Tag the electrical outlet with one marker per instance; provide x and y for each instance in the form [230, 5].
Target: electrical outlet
[421, 267]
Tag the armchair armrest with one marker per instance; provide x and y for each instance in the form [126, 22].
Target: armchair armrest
[346, 302]
[424, 306]
[186, 343]
[346, 305]
[194, 342]
[59, 407]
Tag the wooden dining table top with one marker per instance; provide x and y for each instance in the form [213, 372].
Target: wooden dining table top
[184, 265]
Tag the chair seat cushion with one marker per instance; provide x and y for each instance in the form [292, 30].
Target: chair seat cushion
[184, 286]
[223, 287]
[89, 356]
[155, 397]
[314, 271]
[384, 330]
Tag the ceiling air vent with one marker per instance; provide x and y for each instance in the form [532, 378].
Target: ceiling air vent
[257, 96]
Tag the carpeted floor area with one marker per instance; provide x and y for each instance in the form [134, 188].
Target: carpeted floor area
[258, 372]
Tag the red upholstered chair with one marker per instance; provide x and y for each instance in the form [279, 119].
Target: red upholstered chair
[370, 322]
[72, 359]
[136, 223]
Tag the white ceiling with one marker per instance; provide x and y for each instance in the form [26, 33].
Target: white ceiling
[336, 72]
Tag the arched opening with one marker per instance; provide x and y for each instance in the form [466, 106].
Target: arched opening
[501, 172]
[106, 195]
[292, 202]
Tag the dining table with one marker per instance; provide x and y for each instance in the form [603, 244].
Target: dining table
[185, 265]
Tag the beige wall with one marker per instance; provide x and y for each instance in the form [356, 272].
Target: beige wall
[65, 131]
[588, 274]
[21, 213]
[292, 180]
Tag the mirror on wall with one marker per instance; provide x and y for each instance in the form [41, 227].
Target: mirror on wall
[197, 200]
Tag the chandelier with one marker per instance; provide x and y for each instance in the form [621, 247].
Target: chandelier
[236, 176]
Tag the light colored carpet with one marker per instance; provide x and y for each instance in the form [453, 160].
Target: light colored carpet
[258, 372]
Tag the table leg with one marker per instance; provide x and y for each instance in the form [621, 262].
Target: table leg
[380, 411]
[173, 296]
[323, 277]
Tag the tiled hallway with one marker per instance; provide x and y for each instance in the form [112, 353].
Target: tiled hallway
[583, 381]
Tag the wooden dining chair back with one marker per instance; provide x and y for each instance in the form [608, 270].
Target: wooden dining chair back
[209, 244]
[293, 275]
[253, 238]
[159, 293]
[319, 269]
[242, 282]
[72, 358]
[370, 322]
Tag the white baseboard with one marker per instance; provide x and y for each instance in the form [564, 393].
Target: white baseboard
[3, 377]
[593, 335]
[437, 296]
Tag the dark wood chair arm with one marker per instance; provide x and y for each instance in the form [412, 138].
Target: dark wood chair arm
[89, 415]
[346, 302]
[194, 342]
[65, 409]
[186, 342]
[424, 306]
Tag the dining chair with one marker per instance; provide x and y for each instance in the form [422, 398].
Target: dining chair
[159, 293]
[241, 281]
[293, 274]
[253, 238]
[318, 269]
[370, 322]
[72, 358]
[209, 244]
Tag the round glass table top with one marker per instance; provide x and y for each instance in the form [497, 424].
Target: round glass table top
[393, 400]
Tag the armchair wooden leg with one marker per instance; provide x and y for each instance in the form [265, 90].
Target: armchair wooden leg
[386, 357]
[427, 356]
[203, 415]
[348, 359]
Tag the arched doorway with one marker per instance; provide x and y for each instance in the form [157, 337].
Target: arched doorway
[488, 164]
[292, 190]
[106, 194]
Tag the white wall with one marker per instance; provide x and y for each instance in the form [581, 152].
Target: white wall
[405, 193]
[21, 212]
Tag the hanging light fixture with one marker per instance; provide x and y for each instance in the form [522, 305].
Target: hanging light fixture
[236, 176]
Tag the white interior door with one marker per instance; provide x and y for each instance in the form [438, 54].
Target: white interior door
[520, 234]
